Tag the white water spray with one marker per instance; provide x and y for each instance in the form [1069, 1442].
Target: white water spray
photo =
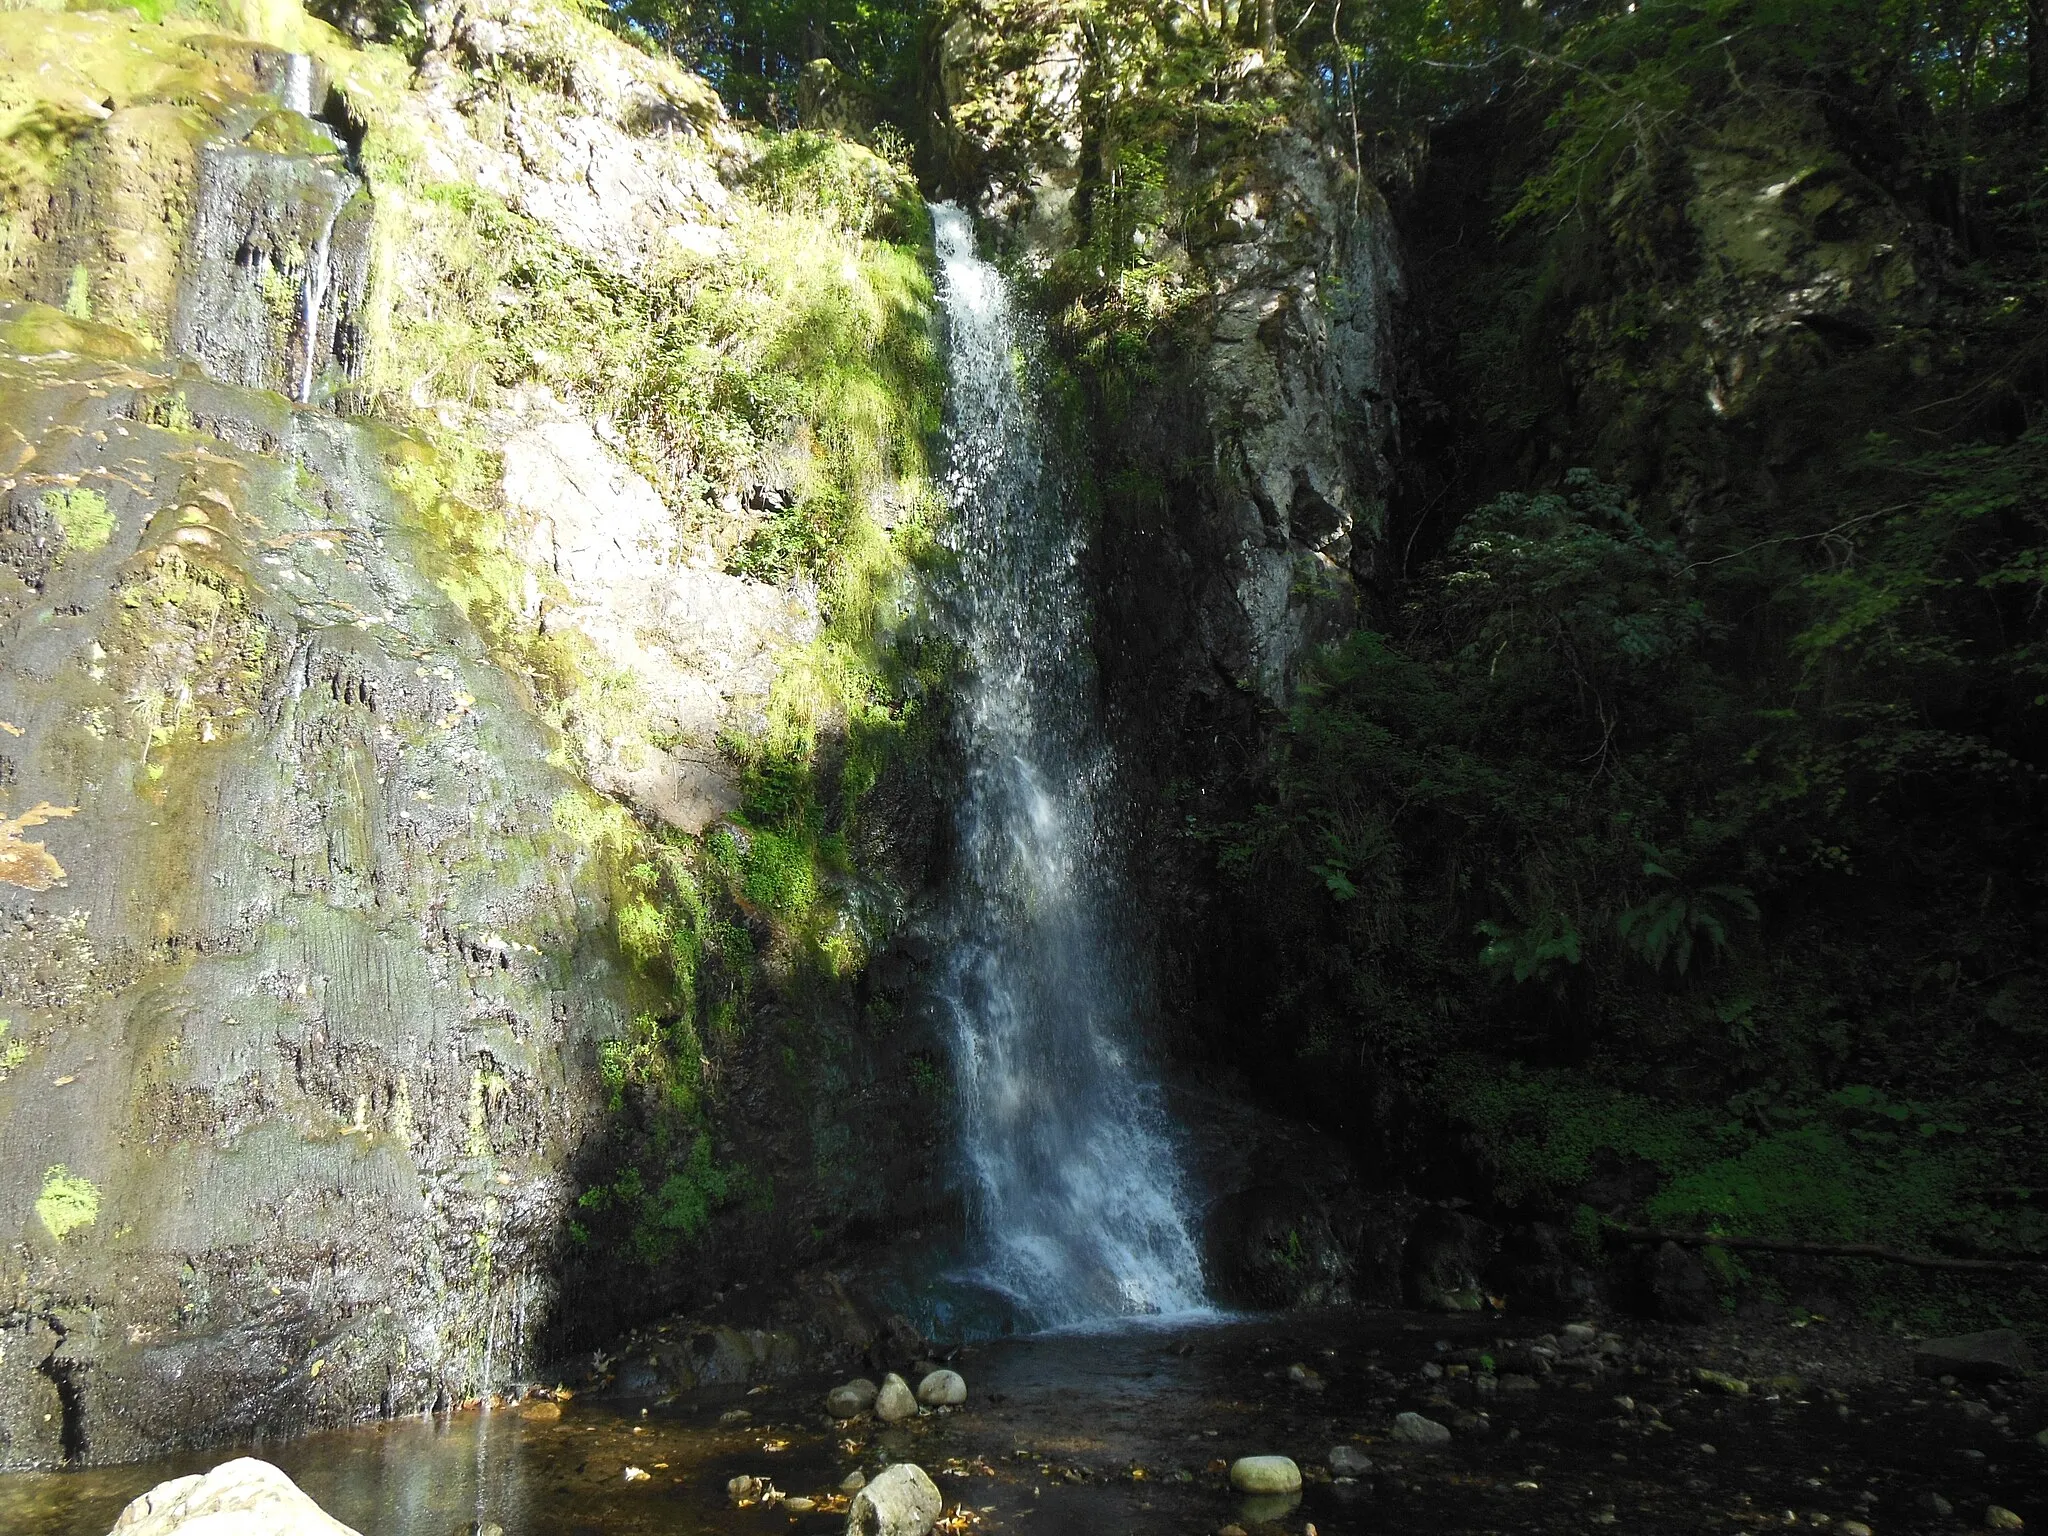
[313, 299]
[296, 94]
[1076, 1189]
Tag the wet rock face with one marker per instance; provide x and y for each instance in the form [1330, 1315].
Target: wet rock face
[293, 1065]
[1286, 1222]
[1293, 378]
[1446, 1252]
[207, 211]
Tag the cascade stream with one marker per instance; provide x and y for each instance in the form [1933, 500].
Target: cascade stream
[1074, 1184]
[278, 252]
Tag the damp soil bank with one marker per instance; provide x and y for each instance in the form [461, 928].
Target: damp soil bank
[1132, 1431]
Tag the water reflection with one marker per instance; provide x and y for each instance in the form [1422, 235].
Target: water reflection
[449, 1475]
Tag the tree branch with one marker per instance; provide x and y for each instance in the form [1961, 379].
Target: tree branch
[1824, 1250]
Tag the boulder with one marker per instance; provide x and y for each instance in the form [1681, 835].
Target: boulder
[899, 1501]
[1414, 1429]
[893, 1401]
[942, 1389]
[1681, 1290]
[244, 1497]
[1445, 1254]
[850, 1398]
[1349, 1461]
[1265, 1474]
[1992, 1355]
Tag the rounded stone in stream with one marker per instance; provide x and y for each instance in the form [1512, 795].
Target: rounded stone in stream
[942, 1389]
[1265, 1474]
[900, 1501]
[1349, 1461]
[1414, 1429]
[894, 1401]
[240, 1495]
[851, 1398]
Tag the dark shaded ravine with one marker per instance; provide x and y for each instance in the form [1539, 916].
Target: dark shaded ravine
[1130, 1432]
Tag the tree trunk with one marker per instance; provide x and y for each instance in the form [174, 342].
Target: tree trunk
[1269, 27]
[1827, 1250]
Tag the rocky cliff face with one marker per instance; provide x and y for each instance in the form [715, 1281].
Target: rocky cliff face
[305, 982]
[360, 966]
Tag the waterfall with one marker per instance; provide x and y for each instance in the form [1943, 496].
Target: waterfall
[277, 254]
[296, 93]
[1072, 1175]
[312, 299]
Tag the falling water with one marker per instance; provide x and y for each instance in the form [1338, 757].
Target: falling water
[313, 299]
[264, 217]
[1072, 1173]
[296, 93]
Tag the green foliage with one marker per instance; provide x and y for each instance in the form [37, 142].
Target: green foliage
[780, 877]
[755, 51]
[1529, 953]
[1846, 1167]
[1558, 755]
[661, 1217]
[1667, 925]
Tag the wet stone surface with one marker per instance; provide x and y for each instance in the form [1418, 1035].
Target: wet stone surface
[1134, 1432]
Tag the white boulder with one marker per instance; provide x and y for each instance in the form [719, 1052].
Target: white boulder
[894, 1401]
[244, 1497]
[899, 1501]
[1265, 1474]
[942, 1389]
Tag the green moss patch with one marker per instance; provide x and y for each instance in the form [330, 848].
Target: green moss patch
[67, 1202]
[82, 515]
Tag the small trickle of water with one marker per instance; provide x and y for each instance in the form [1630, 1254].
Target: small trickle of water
[1076, 1188]
[269, 285]
[313, 300]
[296, 94]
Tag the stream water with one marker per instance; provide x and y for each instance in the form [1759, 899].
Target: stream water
[1128, 1432]
[1073, 1181]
